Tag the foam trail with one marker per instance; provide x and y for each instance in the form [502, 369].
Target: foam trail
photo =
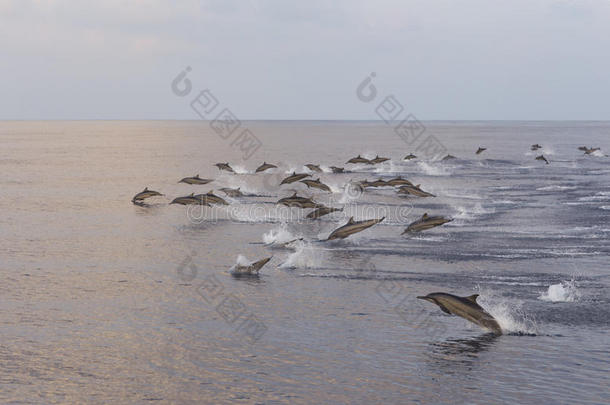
[565, 291]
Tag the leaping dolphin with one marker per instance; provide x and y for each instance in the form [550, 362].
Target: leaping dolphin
[466, 307]
[590, 150]
[232, 192]
[378, 159]
[294, 177]
[249, 270]
[336, 169]
[211, 198]
[224, 166]
[376, 183]
[264, 167]
[195, 180]
[414, 190]
[316, 184]
[480, 150]
[448, 157]
[410, 156]
[359, 159]
[189, 200]
[352, 227]
[398, 181]
[146, 193]
[426, 222]
[535, 147]
[320, 212]
[541, 157]
[313, 168]
[296, 201]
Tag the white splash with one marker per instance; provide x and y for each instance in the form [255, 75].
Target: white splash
[598, 153]
[508, 313]
[432, 170]
[241, 261]
[565, 291]
[240, 170]
[472, 212]
[305, 256]
[280, 234]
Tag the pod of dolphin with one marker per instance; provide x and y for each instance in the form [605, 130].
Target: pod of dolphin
[465, 307]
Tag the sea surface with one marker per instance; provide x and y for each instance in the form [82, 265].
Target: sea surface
[104, 301]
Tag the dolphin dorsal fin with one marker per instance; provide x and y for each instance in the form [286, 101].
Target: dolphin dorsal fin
[473, 298]
[318, 179]
[424, 216]
[196, 176]
[210, 192]
[192, 195]
[238, 188]
[294, 173]
[145, 188]
[295, 194]
[418, 185]
[351, 220]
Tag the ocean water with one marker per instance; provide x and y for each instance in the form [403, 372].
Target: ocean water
[106, 301]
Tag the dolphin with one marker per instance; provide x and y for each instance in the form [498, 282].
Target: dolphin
[195, 180]
[378, 159]
[316, 184]
[590, 150]
[189, 200]
[359, 159]
[448, 157]
[541, 157]
[232, 192]
[296, 201]
[224, 166]
[264, 167]
[480, 150]
[313, 168]
[323, 210]
[426, 222]
[146, 193]
[410, 156]
[414, 190]
[583, 148]
[294, 177]
[376, 183]
[398, 181]
[535, 147]
[211, 198]
[336, 169]
[466, 307]
[352, 227]
[252, 269]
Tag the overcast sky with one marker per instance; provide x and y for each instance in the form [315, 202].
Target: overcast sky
[279, 59]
